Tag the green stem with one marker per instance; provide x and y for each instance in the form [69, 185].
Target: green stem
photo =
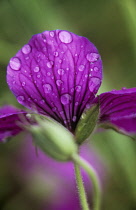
[94, 179]
[81, 189]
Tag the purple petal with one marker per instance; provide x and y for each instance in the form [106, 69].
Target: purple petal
[57, 73]
[9, 116]
[119, 108]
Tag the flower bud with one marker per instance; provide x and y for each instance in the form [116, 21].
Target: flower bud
[53, 139]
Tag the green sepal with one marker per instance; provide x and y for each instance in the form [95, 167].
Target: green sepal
[87, 123]
[116, 129]
[53, 139]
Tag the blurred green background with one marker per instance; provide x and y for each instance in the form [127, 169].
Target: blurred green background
[111, 26]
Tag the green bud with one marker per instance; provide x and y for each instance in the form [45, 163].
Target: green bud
[53, 139]
[87, 123]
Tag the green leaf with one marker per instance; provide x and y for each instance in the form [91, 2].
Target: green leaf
[87, 123]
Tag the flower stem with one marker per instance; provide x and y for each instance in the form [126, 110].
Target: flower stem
[81, 189]
[95, 181]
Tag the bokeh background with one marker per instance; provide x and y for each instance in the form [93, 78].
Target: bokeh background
[111, 26]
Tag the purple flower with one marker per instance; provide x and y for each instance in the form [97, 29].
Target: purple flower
[58, 74]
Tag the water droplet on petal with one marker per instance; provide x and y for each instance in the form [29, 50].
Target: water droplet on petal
[36, 69]
[92, 57]
[74, 118]
[124, 88]
[52, 34]
[59, 82]
[20, 99]
[81, 67]
[65, 99]
[23, 84]
[72, 90]
[56, 54]
[96, 69]
[76, 104]
[38, 75]
[15, 63]
[50, 64]
[47, 88]
[65, 37]
[60, 61]
[61, 112]
[60, 71]
[67, 69]
[54, 109]
[94, 84]
[42, 101]
[49, 73]
[78, 88]
[26, 49]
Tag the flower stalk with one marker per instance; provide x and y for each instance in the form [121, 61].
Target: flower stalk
[95, 181]
[81, 189]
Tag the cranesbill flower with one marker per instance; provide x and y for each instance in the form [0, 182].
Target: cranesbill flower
[58, 74]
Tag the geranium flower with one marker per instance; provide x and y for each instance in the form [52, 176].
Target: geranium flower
[58, 74]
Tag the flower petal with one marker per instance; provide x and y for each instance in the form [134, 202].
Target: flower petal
[119, 108]
[57, 73]
[9, 116]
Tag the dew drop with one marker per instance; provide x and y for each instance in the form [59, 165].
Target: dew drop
[59, 82]
[15, 63]
[47, 88]
[60, 61]
[124, 88]
[96, 69]
[36, 69]
[86, 75]
[42, 101]
[20, 99]
[74, 118]
[72, 90]
[23, 84]
[67, 69]
[49, 73]
[27, 58]
[38, 75]
[65, 37]
[26, 49]
[61, 113]
[60, 71]
[56, 54]
[94, 84]
[50, 64]
[52, 34]
[54, 109]
[65, 99]
[44, 49]
[28, 116]
[92, 57]
[76, 104]
[78, 88]
[81, 67]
